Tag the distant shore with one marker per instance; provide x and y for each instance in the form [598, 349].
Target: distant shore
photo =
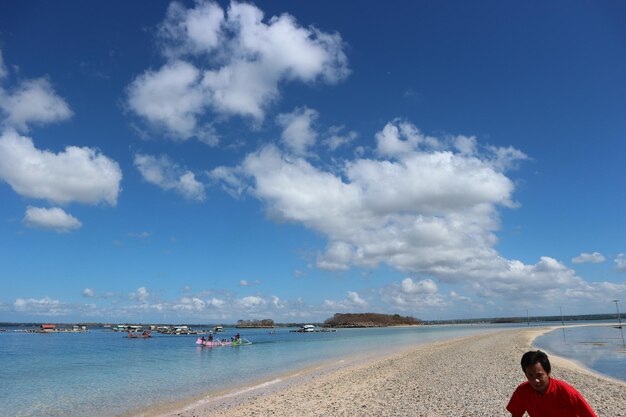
[470, 376]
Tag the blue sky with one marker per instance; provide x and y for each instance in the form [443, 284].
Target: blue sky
[210, 162]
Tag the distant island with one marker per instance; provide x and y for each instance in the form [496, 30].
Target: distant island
[370, 320]
[255, 324]
[338, 320]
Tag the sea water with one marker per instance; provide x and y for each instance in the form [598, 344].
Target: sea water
[600, 348]
[103, 373]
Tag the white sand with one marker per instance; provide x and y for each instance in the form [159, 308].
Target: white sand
[472, 376]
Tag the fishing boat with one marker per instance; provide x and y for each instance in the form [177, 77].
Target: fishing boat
[144, 335]
[309, 328]
[218, 343]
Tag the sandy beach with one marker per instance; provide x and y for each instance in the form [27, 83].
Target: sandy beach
[471, 376]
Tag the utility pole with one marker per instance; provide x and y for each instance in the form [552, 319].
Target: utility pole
[562, 324]
[619, 320]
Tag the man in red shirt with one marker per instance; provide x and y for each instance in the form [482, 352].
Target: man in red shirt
[542, 396]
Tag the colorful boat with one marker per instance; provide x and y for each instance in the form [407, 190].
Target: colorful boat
[218, 343]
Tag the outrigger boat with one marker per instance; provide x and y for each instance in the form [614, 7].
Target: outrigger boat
[217, 343]
[144, 335]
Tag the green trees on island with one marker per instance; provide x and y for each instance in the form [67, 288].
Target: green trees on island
[344, 320]
[255, 323]
[370, 320]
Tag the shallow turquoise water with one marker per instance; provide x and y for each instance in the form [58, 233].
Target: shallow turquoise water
[102, 373]
[600, 348]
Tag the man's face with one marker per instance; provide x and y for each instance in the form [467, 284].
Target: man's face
[538, 377]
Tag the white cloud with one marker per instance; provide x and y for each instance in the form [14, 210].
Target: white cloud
[400, 138]
[410, 295]
[167, 175]
[277, 302]
[44, 306]
[354, 298]
[54, 218]
[620, 263]
[194, 31]
[337, 257]
[465, 145]
[142, 294]
[217, 303]
[457, 297]
[76, 175]
[506, 158]
[3, 69]
[299, 274]
[140, 235]
[240, 89]
[190, 304]
[419, 213]
[426, 286]
[169, 98]
[596, 294]
[298, 134]
[589, 257]
[296, 191]
[352, 301]
[239, 61]
[251, 302]
[195, 307]
[230, 180]
[190, 187]
[34, 101]
[334, 138]
[547, 280]
[246, 283]
[425, 205]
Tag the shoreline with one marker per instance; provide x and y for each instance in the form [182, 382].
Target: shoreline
[571, 363]
[469, 376]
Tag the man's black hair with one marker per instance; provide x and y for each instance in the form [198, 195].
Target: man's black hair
[533, 357]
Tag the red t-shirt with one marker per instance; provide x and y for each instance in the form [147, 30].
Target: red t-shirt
[559, 400]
